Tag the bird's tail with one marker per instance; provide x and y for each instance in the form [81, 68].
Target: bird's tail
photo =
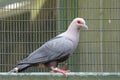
[19, 68]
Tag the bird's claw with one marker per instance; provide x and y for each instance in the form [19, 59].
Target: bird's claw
[63, 71]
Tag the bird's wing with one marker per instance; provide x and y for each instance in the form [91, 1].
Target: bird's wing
[54, 49]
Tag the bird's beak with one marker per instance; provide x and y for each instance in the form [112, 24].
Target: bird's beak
[84, 26]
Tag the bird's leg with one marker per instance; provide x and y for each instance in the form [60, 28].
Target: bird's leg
[65, 66]
[53, 67]
[63, 71]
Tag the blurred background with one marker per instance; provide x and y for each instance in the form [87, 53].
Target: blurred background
[26, 24]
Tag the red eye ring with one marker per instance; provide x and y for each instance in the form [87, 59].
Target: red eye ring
[79, 22]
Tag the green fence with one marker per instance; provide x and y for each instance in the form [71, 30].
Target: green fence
[27, 26]
[58, 76]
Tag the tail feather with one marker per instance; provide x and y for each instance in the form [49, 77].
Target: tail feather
[20, 68]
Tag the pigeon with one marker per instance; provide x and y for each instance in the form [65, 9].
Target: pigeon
[55, 50]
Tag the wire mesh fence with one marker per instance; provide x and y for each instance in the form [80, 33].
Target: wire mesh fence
[26, 25]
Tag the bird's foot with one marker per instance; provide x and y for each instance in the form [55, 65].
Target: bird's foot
[60, 70]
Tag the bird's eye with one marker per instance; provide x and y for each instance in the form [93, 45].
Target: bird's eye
[79, 22]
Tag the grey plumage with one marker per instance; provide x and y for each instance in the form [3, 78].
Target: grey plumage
[51, 50]
[55, 50]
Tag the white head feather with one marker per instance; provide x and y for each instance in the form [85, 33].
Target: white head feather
[73, 31]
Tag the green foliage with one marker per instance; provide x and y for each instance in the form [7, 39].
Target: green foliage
[36, 6]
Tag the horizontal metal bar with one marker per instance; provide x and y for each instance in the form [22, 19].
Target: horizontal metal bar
[59, 74]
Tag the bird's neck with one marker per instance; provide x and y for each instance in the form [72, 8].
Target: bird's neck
[73, 33]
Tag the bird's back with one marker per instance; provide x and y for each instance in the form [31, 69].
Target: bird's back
[54, 49]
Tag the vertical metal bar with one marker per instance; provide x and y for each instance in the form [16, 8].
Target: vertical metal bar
[101, 33]
[58, 16]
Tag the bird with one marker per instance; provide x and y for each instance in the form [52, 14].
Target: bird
[55, 50]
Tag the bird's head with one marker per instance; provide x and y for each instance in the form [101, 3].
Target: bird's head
[80, 23]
